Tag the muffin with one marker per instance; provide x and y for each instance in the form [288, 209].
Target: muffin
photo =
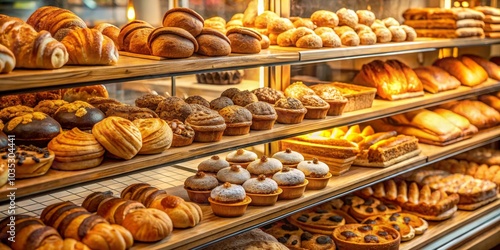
[199, 186]
[78, 114]
[289, 158]
[264, 165]
[230, 92]
[238, 120]
[292, 181]
[290, 110]
[212, 165]
[229, 200]
[316, 172]
[130, 113]
[50, 107]
[18, 110]
[234, 174]
[317, 108]
[183, 134]
[149, 101]
[244, 98]
[268, 95]
[241, 157]
[263, 191]
[220, 103]
[263, 115]
[333, 96]
[208, 125]
[196, 99]
[198, 107]
[173, 108]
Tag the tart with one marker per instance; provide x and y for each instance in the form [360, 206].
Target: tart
[289, 158]
[229, 200]
[364, 208]
[208, 125]
[285, 233]
[316, 172]
[290, 110]
[212, 165]
[317, 241]
[318, 220]
[238, 120]
[263, 115]
[263, 191]
[234, 174]
[183, 134]
[199, 186]
[366, 237]
[407, 224]
[317, 108]
[292, 181]
[264, 165]
[241, 157]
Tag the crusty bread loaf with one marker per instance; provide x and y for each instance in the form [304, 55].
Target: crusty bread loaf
[184, 18]
[213, 43]
[435, 79]
[466, 70]
[491, 100]
[90, 47]
[491, 68]
[133, 37]
[244, 40]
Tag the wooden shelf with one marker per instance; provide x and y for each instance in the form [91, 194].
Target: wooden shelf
[58, 179]
[131, 68]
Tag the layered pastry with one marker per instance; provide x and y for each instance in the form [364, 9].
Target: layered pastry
[130, 112]
[196, 99]
[93, 200]
[76, 150]
[289, 158]
[263, 191]
[241, 157]
[84, 93]
[316, 172]
[481, 155]
[78, 114]
[435, 79]
[234, 174]
[423, 202]
[173, 108]
[290, 110]
[264, 166]
[238, 119]
[263, 115]
[119, 136]
[142, 192]
[479, 170]
[104, 104]
[184, 214]
[229, 200]
[292, 181]
[199, 186]
[49, 107]
[208, 125]
[220, 103]
[268, 95]
[465, 69]
[30, 161]
[149, 101]
[212, 165]
[386, 148]
[90, 47]
[183, 134]
[393, 79]
[18, 110]
[364, 237]
[407, 224]
[285, 233]
[36, 128]
[243, 98]
[156, 135]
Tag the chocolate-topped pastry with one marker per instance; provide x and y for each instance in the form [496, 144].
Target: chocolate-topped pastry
[196, 99]
[36, 128]
[173, 108]
[103, 103]
[78, 114]
[131, 112]
[30, 161]
[49, 107]
[149, 101]
[10, 112]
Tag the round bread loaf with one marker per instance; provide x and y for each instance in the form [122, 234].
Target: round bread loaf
[279, 25]
[196, 99]
[35, 128]
[173, 108]
[304, 22]
[230, 92]
[172, 42]
[262, 20]
[325, 18]
[119, 136]
[244, 40]
[184, 18]
[78, 114]
[347, 17]
[365, 17]
[212, 42]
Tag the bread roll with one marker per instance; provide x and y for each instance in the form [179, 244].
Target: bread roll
[367, 38]
[347, 17]
[365, 17]
[321, 30]
[467, 71]
[90, 47]
[7, 60]
[300, 32]
[216, 25]
[250, 14]
[213, 43]
[285, 39]
[324, 18]
[138, 32]
[330, 39]
[491, 101]
[279, 25]
[311, 41]
[304, 22]
[172, 42]
[384, 35]
[435, 79]
[119, 136]
[183, 214]
[390, 21]
[244, 40]
[184, 18]
[398, 33]
[411, 34]
[262, 20]
[148, 225]
[265, 42]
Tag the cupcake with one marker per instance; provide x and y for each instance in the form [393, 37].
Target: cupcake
[199, 186]
[220, 103]
[268, 95]
[196, 99]
[183, 134]
[292, 181]
[212, 165]
[263, 191]
[244, 98]
[263, 115]
[316, 172]
[173, 108]
[289, 158]
[241, 157]
[234, 174]
[198, 107]
[238, 120]
[264, 165]
[290, 110]
[149, 101]
[229, 200]
[208, 125]
[317, 108]
[230, 92]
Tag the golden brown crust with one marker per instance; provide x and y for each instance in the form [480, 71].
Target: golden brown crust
[183, 214]
[184, 18]
[90, 47]
[156, 135]
[118, 136]
[84, 93]
[172, 42]
[7, 60]
[213, 43]
[324, 18]
[148, 225]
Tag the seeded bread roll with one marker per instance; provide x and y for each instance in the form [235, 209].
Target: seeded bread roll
[184, 18]
[173, 108]
[149, 101]
[172, 42]
[244, 40]
[213, 43]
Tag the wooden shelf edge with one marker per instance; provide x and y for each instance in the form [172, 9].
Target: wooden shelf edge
[59, 179]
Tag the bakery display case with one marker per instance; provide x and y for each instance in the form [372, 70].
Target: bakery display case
[277, 67]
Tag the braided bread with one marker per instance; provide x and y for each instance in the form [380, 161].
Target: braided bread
[59, 22]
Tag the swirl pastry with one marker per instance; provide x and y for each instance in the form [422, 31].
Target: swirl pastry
[119, 136]
[76, 150]
[156, 135]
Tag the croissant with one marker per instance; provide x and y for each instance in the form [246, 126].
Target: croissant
[31, 49]
[59, 22]
[110, 31]
[7, 60]
[90, 47]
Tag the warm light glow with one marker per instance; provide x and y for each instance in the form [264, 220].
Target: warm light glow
[465, 4]
[261, 77]
[260, 7]
[447, 4]
[456, 4]
[369, 7]
[130, 11]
